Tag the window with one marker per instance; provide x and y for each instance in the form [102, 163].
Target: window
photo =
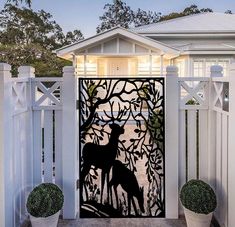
[201, 67]
[224, 63]
[198, 68]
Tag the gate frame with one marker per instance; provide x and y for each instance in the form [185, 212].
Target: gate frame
[171, 142]
[70, 165]
[171, 139]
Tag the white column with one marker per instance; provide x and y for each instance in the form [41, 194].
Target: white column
[85, 64]
[161, 65]
[231, 148]
[171, 141]
[69, 143]
[75, 63]
[150, 64]
[6, 159]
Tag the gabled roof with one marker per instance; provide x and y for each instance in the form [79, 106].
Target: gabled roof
[197, 23]
[112, 33]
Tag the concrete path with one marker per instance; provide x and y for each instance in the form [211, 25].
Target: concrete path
[135, 222]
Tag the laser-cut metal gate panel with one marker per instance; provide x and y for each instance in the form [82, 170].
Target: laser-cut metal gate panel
[121, 123]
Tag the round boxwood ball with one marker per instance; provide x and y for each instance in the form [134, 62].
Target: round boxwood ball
[198, 197]
[45, 200]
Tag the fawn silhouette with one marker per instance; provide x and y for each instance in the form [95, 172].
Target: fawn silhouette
[102, 157]
[127, 179]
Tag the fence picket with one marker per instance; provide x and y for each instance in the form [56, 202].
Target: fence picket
[224, 169]
[218, 161]
[58, 148]
[182, 150]
[192, 157]
[203, 140]
[17, 167]
[48, 146]
[37, 156]
[21, 150]
[212, 148]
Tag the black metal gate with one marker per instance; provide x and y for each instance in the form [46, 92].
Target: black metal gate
[121, 147]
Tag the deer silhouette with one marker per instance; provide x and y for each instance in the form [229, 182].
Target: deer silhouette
[127, 179]
[102, 157]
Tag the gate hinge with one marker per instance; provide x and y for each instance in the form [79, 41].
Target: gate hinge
[77, 104]
[78, 184]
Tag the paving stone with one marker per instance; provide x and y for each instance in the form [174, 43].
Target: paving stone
[134, 222]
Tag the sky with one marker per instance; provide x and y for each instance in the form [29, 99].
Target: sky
[84, 14]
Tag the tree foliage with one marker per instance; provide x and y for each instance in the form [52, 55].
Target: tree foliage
[142, 17]
[193, 9]
[228, 11]
[27, 2]
[120, 14]
[28, 38]
[116, 14]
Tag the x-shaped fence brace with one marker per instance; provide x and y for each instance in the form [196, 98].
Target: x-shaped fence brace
[19, 97]
[47, 95]
[218, 99]
[193, 93]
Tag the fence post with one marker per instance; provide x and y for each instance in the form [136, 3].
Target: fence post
[69, 142]
[171, 141]
[215, 71]
[28, 73]
[6, 159]
[231, 148]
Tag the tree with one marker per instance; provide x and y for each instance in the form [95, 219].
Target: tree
[44, 61]
[25, 26]
[193, 9]
[116, 14]
[28, 2]
[28, 37]
[72, 37]
[120, 14]
[228, 12]
[142, 17]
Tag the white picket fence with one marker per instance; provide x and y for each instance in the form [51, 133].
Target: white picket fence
[206, 136]
[38, 138]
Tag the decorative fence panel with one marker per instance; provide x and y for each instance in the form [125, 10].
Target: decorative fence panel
[193, 138]
[47, 118]
[204, 135]
[122, 128]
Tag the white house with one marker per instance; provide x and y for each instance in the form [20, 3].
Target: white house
[193, 43]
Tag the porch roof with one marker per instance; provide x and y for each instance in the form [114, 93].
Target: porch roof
[154, 46]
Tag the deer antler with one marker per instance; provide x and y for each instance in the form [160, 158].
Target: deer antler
[120, 113]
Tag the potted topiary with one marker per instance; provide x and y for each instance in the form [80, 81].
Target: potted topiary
[199, 202]
[44, 204]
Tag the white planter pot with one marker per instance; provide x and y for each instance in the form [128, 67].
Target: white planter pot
[197, 220]
[50, 221]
